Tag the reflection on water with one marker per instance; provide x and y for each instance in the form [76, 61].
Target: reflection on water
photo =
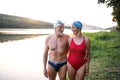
[22, 60]
[27, 31]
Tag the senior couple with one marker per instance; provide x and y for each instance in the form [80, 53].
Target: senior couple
[65, 54]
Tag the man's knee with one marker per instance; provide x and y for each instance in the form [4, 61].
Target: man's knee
[52, 77]
[63, 78]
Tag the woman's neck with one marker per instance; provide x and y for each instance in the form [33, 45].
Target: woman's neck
[78, 35]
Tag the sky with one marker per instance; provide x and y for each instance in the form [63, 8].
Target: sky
[86, 11]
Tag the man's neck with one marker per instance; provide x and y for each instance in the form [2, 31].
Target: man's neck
[59, 36]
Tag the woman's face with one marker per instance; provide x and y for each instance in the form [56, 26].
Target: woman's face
[74, 29]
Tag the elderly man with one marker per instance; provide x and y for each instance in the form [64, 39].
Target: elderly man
[56, 48]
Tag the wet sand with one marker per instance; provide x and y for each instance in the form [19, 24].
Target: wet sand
[22, 59]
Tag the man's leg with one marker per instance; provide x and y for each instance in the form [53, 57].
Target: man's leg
[51, 73]
[62, 72]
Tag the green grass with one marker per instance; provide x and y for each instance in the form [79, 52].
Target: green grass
[105, 56]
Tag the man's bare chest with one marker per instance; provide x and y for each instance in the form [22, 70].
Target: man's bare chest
[57, 44]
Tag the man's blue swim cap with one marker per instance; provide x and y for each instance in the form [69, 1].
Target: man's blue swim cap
[58, 23]
[77, 24]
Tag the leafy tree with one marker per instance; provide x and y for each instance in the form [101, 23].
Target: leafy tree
[115, 4]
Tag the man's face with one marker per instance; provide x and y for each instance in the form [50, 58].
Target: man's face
[59, 30]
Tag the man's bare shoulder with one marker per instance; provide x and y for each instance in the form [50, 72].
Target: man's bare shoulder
[69, 39]
[66, 35]
[48, 37]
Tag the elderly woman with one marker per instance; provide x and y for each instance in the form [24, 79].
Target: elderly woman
[79, 53]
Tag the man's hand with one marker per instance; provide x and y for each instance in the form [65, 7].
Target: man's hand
[45, 73]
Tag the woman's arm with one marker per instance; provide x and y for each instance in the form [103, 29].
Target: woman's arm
[87, 55]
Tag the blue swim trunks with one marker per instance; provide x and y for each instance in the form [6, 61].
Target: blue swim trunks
[57, 65]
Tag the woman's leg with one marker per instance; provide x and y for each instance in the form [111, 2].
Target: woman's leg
[62, 72]
[71, 72]
[81, 73]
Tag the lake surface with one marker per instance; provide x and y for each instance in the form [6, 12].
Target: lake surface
[41, 31]
[22, 59]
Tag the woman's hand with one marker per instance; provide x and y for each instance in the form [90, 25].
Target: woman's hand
[86, 71]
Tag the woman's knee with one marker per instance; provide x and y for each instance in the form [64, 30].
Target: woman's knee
[81, 73]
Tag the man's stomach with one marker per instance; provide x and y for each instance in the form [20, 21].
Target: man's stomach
[57, 56]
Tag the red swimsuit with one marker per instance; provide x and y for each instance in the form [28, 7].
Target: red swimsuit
[77, 54]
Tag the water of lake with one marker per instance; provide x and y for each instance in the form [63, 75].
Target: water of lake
[22, 59]
[40, 31]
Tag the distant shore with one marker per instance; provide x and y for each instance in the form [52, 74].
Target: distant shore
[18, 34]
